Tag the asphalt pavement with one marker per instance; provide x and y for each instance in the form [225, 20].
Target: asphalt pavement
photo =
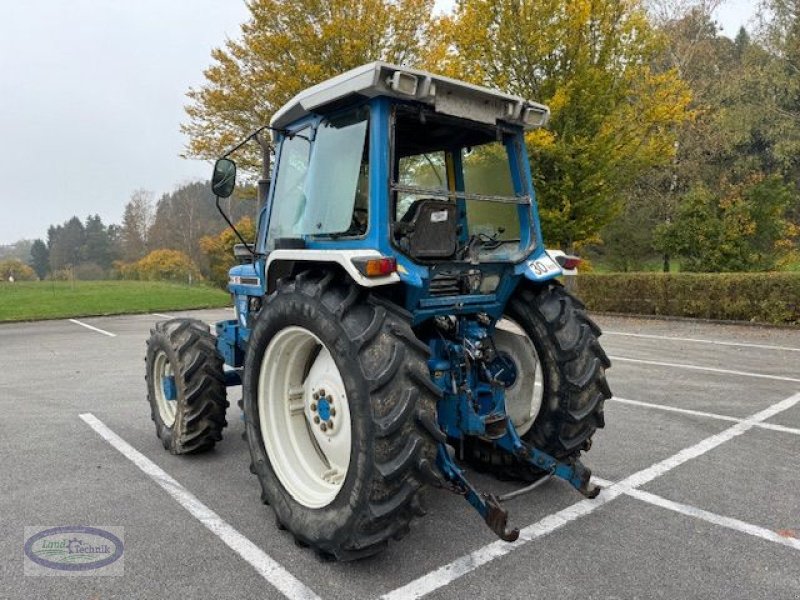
[700, 457]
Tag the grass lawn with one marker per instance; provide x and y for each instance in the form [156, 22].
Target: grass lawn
[28, 300]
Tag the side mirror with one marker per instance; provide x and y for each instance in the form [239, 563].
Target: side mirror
[224, 178]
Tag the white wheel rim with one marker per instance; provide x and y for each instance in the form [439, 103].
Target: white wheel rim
[162, 375]
[300, 395]
[524, 396]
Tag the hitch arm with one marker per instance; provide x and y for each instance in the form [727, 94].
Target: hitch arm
[487, 505]
[573, 472]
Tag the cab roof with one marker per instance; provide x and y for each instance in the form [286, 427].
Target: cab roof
[445, 95]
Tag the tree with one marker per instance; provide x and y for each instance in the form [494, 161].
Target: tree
[742, 229]
[97, 248]
[628, 239]
[693, 49]
[188, 213]
[66, 244]
[219, 250]
[136, 221]
[16, 269]
[286, 47]
[593, 62]
[40, 258]
[161, 265]
[780, 35]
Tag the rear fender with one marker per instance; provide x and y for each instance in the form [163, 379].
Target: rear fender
[343, 258]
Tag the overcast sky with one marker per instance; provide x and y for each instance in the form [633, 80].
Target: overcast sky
[92, 99]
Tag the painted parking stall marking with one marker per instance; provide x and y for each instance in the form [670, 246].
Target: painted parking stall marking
[699, 368]
[92, 328]
[709, 517]
[267, 567]
[650, 336]
[700, 413]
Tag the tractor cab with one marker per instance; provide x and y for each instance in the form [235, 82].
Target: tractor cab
[399, 176]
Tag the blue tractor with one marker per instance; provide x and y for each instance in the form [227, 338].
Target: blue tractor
[396, 318]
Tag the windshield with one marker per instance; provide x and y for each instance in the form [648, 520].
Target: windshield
[444, 159]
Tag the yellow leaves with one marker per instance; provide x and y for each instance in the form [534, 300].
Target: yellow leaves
[219, 249]
[16, 270]
[160, 265]
[287, 47]
[541, 139]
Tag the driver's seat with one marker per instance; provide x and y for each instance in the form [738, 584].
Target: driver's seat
[428, 229]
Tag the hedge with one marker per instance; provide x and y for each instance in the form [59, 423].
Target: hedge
[757, 297]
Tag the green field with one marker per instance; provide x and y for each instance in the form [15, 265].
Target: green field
[29, 300]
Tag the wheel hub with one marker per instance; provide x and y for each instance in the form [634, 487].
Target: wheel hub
[324, 408]
[170, 390]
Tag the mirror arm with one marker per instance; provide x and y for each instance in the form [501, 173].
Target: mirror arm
[253, 136]
[233, 228]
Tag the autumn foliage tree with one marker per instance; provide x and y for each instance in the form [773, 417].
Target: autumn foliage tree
[161, 265]
[286, 47]
[16, 269]
[219, 250]
[592, 62]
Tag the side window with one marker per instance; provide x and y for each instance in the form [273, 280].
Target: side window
[289, 198]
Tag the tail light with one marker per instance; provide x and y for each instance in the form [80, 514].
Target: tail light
[568, 262]
[376, 267]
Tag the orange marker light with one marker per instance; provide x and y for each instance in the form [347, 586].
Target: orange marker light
[376, 267]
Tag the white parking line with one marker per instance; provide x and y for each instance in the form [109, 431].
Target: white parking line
[461, 566]
[162, 316]
[675, 409]
[699, 368]
[700, 413]
[93, 328]
[709, 517]
[267, 567]
[701, 341]
[715, 519]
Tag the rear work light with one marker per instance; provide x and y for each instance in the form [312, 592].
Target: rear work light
[375, 267]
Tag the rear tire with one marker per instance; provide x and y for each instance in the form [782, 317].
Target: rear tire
[573, 369]
[391, 411]
[184, 351]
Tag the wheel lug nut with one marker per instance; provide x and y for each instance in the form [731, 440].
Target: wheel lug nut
[316, 420]
[323, 427]
[330, 424]
[322, 393]
[316, 396]
[313, 406]
[333, 412]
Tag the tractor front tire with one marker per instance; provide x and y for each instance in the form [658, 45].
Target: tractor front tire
[573, 377]
[185, 385]
[340, 415]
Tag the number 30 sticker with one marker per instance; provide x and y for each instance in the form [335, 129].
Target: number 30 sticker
[543, 266]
